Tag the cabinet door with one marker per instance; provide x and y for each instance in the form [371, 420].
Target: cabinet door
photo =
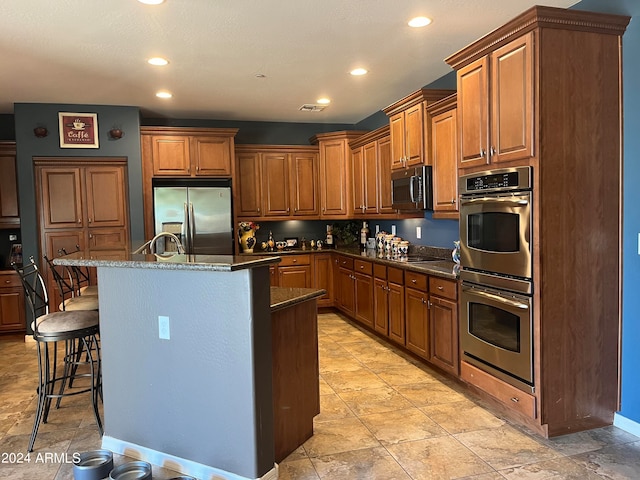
[369, 180]
[384, 175]
[298, 276]
[323, 278]
[357, 166]
[304, 184]
[397, 129]
[443, 319]
[445, 162]
[417, 328]
[414, 135]
[345, 294]
[333, 178]
[473, 113]
[396, 313]
[380, 306]
[248, 199]
[364, 298]
[171, 155]
[512, 101]
[9, 214]
[275, 184]
[61, 192]
[106, 196]
[108, 239]
[12, 307]
[211, 156]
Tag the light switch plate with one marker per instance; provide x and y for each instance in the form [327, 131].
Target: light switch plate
[164, 331]
[418, 232]
[393, 229]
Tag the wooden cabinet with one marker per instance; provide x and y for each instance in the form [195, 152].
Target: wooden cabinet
[546, 88]
[363, 288]
[388, 300]
[83, 203]
[496, 105]
[323, 277]
[345, 284]
[416, 314]
[12, 306]
[9, 211]
[371, 173]
[443, 324]
[191, 155]
[295, 271]
[336, 183]
[183, 152]
[407, 127]
[444, 157]
[276, 182]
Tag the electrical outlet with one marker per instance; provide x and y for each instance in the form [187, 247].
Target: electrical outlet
[377, 228]
[418, 232]
[393, 229]
[13, 238]
[164, 331]
[639, 244]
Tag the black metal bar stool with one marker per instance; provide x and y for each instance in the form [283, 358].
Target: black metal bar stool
[75, 328]
[81, 276]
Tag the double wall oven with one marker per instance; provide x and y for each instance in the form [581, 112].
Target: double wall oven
[496, 321]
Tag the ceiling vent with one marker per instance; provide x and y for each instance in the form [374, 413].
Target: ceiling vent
[312, 107]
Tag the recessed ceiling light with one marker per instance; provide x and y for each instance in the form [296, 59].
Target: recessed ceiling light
[164, 94]
[359, 71]
[158, 61]
[419, 22]
[323, 101]
[151, 2]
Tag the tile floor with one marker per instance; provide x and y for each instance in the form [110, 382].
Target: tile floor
[383, 416]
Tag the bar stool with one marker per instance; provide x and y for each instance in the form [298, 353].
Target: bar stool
[77, 327]
[81, 276]
[69, 290]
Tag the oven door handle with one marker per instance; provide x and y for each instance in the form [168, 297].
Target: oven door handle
[498, 298]
[502, 201]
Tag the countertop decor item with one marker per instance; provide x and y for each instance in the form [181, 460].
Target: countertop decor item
[455, 254]
[247, 235]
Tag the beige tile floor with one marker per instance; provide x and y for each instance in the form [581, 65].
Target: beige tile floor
[383, 416]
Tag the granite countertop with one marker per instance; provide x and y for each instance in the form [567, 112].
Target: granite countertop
[283, 297]
[442, 268]
[216, 263]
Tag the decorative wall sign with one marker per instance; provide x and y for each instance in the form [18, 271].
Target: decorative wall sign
[78, 130]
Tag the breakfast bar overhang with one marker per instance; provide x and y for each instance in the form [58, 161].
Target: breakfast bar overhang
[190, 364]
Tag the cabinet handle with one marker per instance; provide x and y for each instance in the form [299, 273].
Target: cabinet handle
[361, 267]
[7, 281]
[492, 151]
[287, 210]
[453, 201]
[440, 287]
[79, 220]
[413, 280]
[483, 152]
[258, 209]
[515, 399]
[295, 260]
[90, 220]
[197, 168]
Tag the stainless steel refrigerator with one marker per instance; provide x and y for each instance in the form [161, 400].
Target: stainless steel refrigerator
[199, 213]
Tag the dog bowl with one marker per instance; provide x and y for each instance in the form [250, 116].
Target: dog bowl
[93, 465]
[131, 471]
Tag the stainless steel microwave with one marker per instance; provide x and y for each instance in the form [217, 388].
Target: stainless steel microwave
[412, 189]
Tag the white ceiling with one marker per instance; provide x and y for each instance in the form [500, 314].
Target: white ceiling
[95, 52]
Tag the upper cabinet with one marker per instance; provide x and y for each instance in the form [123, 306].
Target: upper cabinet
[409, 146]
[371, 174]
[335, 175]
[442, 117]
[191, 153]
[495, 105]
[9, 212]
[277, 182]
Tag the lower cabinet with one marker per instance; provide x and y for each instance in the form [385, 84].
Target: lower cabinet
[323, 277]
[388, 302]
[363, 286]
[345, 285]
[293, 271]
[443, 324]
[12, 306]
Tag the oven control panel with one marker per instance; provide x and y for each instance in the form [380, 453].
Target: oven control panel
[505, 179]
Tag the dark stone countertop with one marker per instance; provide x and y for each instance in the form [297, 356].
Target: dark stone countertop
[283, 297]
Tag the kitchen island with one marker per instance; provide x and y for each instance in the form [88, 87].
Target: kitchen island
[194, 362]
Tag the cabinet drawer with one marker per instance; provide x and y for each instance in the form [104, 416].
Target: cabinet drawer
[345, 262]
[288, 260]
[416, 280]
[395, 275]
[10, 279]
[379, 271]
[363, 267]
[443, 288]
[509, 395]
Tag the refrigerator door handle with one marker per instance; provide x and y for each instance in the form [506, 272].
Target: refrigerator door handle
[187, 229]
[192, 226]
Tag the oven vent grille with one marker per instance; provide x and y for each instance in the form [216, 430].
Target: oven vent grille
[312, 107]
